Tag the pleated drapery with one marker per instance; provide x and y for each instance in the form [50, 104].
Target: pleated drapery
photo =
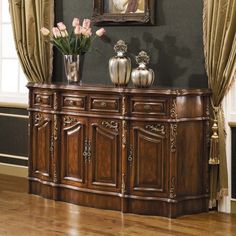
[219, 28]
[28, 17]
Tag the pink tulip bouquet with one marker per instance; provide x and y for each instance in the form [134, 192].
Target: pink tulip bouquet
[78, 42]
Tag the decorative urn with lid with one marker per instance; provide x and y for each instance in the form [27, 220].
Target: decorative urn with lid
[142, 77]
[120, 65]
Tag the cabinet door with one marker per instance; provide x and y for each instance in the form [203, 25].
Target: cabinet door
[42, 150]
[104, 162]
[73, 166]
[148, 159]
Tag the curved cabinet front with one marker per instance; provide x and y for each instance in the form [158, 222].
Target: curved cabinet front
[104, 163]
[133, 150]
[73, 164]
[149, 165]
[41, 165]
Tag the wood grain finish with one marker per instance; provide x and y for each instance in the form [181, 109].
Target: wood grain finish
[133, 150]
[148, 171]
[105, 161]
[23, 214]
[43, 99]
[71, 102]
[104, 104]
[149, 107]
[73, 166]
[41, 164]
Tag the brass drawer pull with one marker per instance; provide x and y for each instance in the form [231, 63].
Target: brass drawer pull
[71, 103]
[74, 102]
[38, 99]
[147, 107]
[103, 104]
[43, 100]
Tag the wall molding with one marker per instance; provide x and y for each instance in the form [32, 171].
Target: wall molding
[233, 206]
[14, 170]
[14, 156]
[14, 115]
[232, 124]
[13, 104]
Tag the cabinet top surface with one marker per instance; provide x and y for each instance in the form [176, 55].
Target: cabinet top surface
[120, 90]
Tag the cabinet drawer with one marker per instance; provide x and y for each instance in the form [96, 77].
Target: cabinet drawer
[73, 102]
[104, 104]
[155, 107]
[43, 99]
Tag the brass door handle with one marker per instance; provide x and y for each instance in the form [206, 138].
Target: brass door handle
[85, 153]
[130, 157]
[89, 151]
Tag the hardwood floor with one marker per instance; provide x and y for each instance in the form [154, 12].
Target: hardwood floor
[24, 214]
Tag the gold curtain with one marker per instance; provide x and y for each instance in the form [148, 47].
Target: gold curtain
[219, 34]
[28, 17]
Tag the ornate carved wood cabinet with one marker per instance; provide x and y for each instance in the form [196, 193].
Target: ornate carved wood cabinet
[134, 150]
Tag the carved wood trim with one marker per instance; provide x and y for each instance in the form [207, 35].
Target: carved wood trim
[173, 134]
[124, 133]
[54, 140]
[158, 128]
[173, 110]
[123, 106]
[67, 121]
[207, 109]
[55, 102]
[111, 125]
[172, 188]
[55, 128]
[55, 179]
[123, 185]
[52, 146]
[179, 92]
[38, 119]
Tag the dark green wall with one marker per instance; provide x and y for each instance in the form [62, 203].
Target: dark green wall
[174, 43]
[13, 136]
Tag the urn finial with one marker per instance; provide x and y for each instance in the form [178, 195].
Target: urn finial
[142, 58]
[120, 47]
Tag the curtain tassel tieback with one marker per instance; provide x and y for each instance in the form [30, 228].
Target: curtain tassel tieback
[214, 146]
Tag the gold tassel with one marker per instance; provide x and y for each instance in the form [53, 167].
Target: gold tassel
[214, 147]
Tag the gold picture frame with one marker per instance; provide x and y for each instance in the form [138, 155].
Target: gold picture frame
[124, 12]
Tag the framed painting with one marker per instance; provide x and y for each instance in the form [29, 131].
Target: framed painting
[124, 12]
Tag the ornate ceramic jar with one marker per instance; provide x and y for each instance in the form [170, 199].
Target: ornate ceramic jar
[120, 65]
[142, 77]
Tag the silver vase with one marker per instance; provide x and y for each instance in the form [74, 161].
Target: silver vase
[142, 77]
[120, 65]
[74, 68]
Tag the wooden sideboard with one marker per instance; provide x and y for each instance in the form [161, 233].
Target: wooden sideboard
[133, 150]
